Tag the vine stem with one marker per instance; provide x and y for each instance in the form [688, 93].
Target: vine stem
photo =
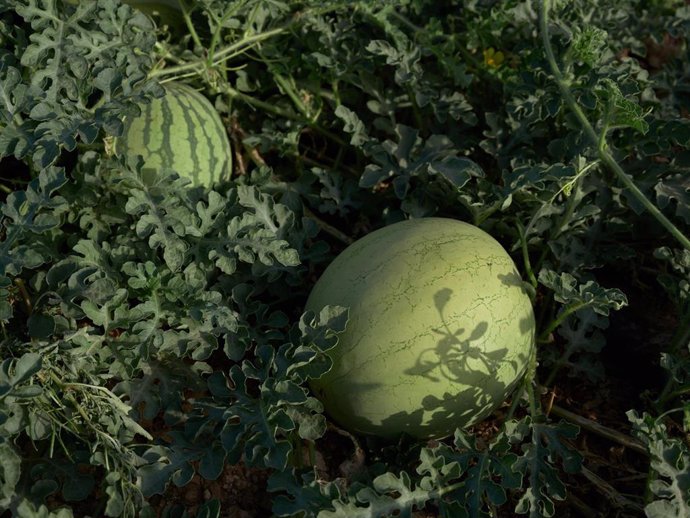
[525, 256]
[599, 140]
[601, 430]
[275, 109]
[569, 310]
[198, 65]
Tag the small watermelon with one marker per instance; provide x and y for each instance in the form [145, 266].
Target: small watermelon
[180, 131]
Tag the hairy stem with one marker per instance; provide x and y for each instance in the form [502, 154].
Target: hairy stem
[199, 65]
[525, 256]
[600, 140]
[556, 322]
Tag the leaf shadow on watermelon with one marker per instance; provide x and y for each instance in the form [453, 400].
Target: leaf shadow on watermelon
[459, 357]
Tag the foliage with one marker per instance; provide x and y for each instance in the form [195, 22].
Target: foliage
[152, 333]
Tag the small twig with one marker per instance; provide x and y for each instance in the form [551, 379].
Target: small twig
[610, 492]
[582, 507]
[599, 429]
[328, 228]
[26, 298]
[236, 135]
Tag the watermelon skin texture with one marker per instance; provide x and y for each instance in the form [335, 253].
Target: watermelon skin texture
[440, 329]
[181, 131]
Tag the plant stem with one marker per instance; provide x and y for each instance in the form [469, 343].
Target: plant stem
[556, 322]
[530, 378]
[200, 64]
[272, 108]
[288, 88]
[528, 385]
[601, 430]
[610, 492]
[232, 9]
[190, 25]
[26, 298]
[329, 229]
[525, 256]
[599, 140]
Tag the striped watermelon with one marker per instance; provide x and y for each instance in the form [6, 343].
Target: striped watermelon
[180, 131]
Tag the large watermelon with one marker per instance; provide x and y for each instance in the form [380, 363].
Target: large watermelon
[180, 131]
[440, 329]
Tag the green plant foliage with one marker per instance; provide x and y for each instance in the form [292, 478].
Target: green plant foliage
[63, 83]
[153, 335]
[670, 462]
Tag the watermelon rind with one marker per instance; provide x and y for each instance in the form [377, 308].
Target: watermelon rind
[182, 132]
[440, 329]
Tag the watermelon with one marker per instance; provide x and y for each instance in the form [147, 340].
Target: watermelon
[180, 131]
[440, 329]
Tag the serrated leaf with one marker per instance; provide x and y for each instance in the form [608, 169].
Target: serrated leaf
[588, 44]
[568, 291]
[297, 492]
[469, 476]
[538, 464]
[10, 472]
[619, 111]
[390, 494]
[675, 189]
[670, 460]
[65, 68]
[352, 125]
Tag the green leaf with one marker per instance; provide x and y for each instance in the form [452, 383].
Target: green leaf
[409, 161]
[41, 326]
[209, 509]
[618, 110]
[297, 492]
[568, 291]
[65, 69]
[389, 494]
[29, 213]
[670, 462]
[115, 505]
[27, 509]
[471, 478]
[588, 44]
[538, 464]
[15, 372]
[352, 125]
[167, 464]
[675, 189]
[77, 487]
[10, 472]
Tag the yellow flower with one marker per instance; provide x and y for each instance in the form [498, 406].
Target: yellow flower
[493, 58]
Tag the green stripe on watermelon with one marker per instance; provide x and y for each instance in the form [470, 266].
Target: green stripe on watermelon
[165, 148]
[181, 131]
[193, 120]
